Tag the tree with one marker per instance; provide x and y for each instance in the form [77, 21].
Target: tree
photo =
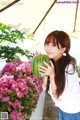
[9, 43]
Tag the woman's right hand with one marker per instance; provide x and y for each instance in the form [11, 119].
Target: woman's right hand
[48, 70]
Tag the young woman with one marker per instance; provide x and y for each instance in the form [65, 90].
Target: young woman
[61, 79]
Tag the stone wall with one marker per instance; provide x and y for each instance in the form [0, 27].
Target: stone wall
[50, 111]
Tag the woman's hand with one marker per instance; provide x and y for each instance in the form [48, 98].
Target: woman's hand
[48, 70]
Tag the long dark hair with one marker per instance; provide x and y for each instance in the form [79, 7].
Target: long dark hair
[63, 39]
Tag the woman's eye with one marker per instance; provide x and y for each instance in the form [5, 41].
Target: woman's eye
[54, 44]
[47, 43]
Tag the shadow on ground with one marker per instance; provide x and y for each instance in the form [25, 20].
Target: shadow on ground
[50, 111]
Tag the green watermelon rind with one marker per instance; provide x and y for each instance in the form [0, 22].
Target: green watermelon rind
[37, 61]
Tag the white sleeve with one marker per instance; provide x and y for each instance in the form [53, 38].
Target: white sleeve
[72, 83]
[72, 88]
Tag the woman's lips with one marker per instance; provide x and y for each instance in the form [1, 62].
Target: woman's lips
[49, 53]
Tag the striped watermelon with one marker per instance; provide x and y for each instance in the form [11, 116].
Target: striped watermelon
[37, 61]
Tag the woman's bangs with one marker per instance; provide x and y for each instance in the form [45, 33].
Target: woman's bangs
[50, 39]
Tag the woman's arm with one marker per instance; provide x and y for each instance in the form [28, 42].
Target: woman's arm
[48, 71]
[45, 82]
[54, 87]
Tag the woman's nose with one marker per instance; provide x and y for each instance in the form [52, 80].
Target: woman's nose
[49, 46]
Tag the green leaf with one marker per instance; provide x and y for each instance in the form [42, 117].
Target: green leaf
[9, 37]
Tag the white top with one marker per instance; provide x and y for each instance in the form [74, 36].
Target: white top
[70, 98]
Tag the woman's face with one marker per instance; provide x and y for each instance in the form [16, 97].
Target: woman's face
[52, 50]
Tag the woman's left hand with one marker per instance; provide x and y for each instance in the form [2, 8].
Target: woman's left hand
[48, 70]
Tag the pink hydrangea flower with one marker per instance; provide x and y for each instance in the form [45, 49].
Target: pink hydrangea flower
[19, 90]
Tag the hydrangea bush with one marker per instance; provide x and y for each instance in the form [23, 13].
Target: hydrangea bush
[19, 90]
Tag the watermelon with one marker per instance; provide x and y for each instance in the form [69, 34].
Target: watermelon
[38, 60]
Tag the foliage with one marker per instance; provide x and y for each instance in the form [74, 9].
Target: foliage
[19, 90]
[78, 70]
[9, 43]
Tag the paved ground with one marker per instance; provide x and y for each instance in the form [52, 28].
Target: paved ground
[50, 111]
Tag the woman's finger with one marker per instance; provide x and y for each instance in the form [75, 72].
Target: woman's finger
[42, 70]
[46, 64]
[42, 74]
[42, 67]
